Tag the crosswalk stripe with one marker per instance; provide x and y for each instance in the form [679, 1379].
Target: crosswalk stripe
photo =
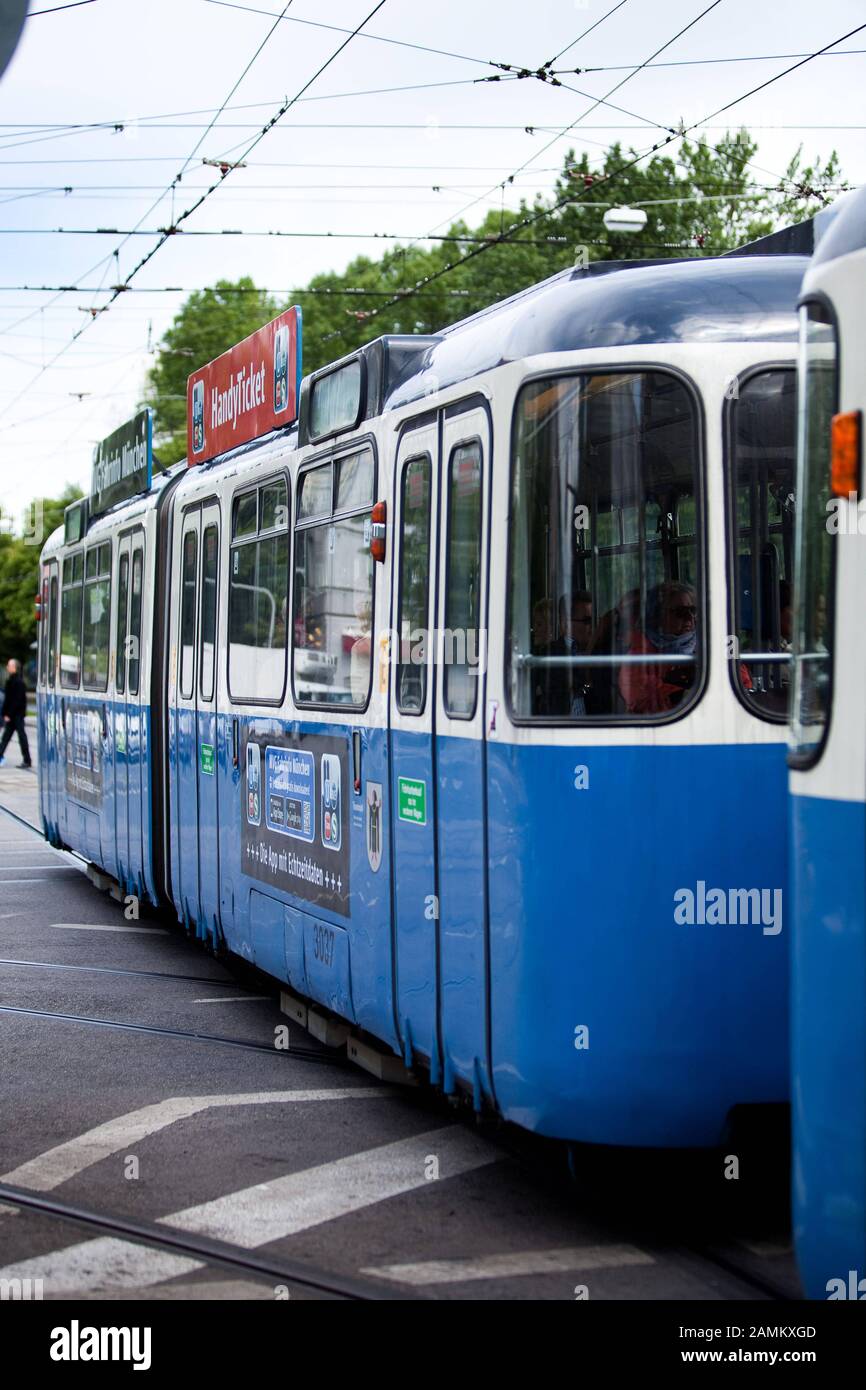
[513, 1266]
[65, 1161]
[103, 926]
[263, 1213]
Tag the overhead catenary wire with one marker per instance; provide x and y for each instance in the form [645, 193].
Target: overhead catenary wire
[577, 195]
[599, 101]
[188, 212]
[568, 47]
[401, 292]
[370, 38]
[71, 5]
[743, 58]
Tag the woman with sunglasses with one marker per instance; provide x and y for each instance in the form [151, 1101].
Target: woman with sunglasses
[670, 629]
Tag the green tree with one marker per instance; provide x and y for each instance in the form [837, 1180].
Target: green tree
[210, 322]
[700, 199]
[19, 573]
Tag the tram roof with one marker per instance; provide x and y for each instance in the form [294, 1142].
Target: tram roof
[712, 300]
[846, 228]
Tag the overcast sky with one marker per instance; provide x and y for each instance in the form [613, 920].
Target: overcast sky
[349, 158]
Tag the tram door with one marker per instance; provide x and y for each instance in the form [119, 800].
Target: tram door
[463, 546]
[207, 724]
[52, 772]
[129, 734]
[121, 727]
[196, 751]
[186, 745]
[412, 721]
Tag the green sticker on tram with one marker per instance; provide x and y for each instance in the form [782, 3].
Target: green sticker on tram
[412, 800]
[207, 759]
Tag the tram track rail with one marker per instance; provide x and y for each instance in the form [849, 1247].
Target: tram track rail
[28, 824]
[307, 1054]
[207, 1249]
[537, 1161]
[141, 974]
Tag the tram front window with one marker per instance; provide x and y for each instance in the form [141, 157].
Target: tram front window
[605, 597]
[814, 549]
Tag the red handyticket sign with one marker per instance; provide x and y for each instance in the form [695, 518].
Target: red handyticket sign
[249, 390]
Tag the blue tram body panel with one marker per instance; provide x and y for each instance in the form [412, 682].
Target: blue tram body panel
[300, 897]
[96, 785]
[683, 1021]
[500, 912]
[829, 1041]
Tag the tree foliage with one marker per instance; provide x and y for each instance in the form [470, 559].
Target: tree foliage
[210, 322]
[19, 573]
[703, 200]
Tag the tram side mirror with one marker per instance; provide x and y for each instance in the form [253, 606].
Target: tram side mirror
[378, 528]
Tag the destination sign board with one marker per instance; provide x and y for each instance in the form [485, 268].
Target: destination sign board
[122, 463]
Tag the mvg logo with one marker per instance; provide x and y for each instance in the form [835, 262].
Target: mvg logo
[77, 1343]
[21, 1290]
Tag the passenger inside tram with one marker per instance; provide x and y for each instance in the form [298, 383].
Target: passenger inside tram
[671, 630]
[565, 687]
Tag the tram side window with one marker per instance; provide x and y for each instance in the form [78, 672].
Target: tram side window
[333, 594]
[762, 433]
[414, 586]
[605, 602]
[120, 648]
[187, 615]
[258, 593]
[52, 630]
[461, 656]
[70, 621]
[815, 545]
[97, 616]
[135, 621]
[43, 633]
[207, 640]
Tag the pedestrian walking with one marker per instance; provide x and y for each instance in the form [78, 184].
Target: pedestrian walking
[14, 712]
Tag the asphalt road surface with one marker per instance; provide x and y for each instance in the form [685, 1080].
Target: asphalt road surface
[291, 1156]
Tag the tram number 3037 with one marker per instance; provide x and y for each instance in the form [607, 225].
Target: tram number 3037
[323, 944]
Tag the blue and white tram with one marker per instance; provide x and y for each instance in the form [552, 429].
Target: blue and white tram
[464, 703]
[828, 771]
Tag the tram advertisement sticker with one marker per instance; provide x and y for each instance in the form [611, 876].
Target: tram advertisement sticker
[293, 830]
[84, 756]
[248, 391]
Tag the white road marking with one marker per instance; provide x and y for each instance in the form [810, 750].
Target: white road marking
[31, 849]
[460, 1271]
[234, 999]
[4, 915]
[267, 1212]
[36, 880]
[19, 868]
[767, 1249]
[92, 926]
[65, 1161]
